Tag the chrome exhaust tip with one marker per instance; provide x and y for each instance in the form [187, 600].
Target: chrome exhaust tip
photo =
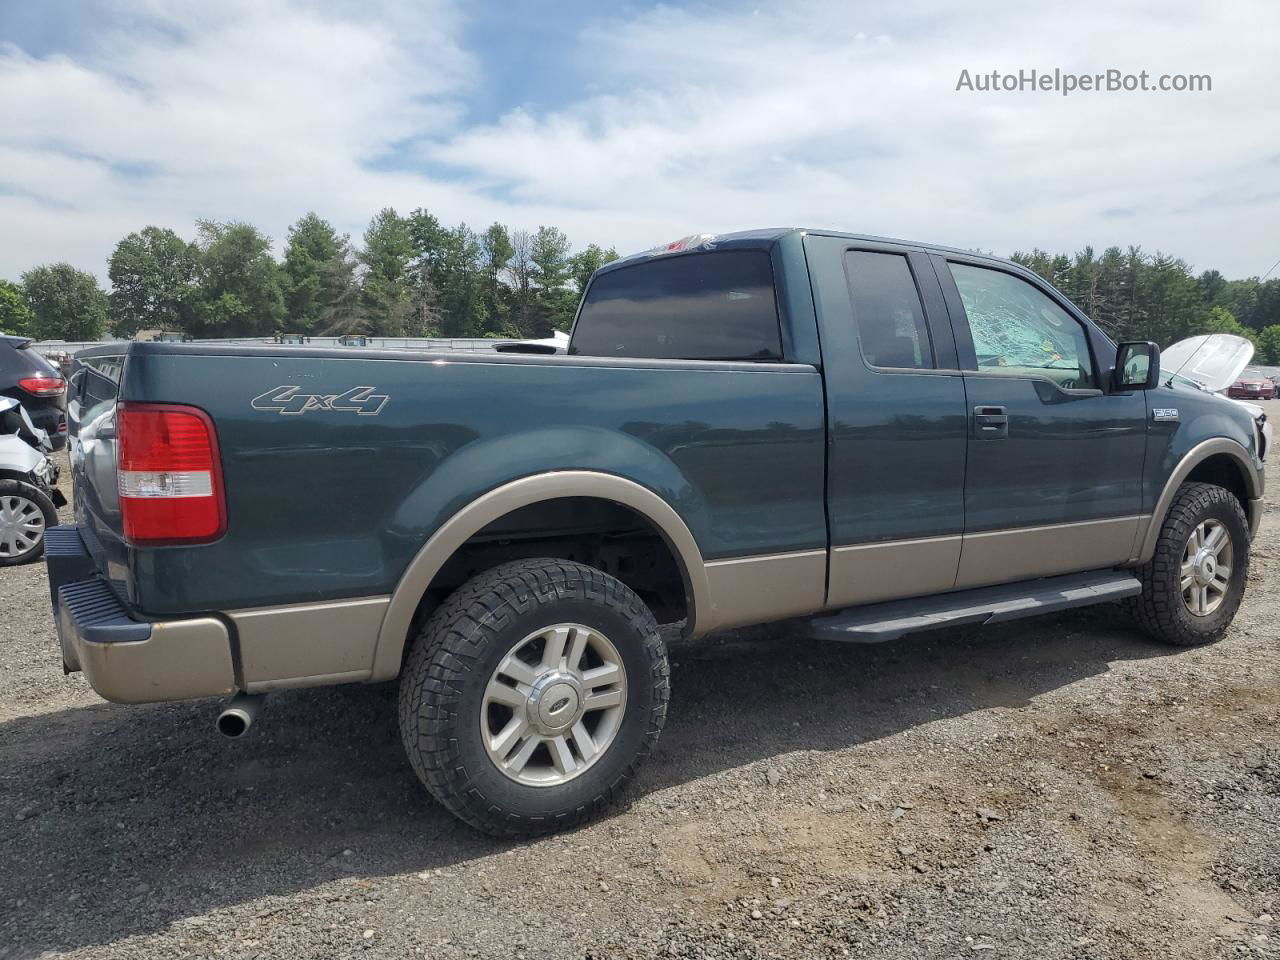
[238, 716]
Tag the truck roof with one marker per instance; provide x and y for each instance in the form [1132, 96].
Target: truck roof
[765, 237]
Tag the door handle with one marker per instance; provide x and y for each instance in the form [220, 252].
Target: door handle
[990, 423]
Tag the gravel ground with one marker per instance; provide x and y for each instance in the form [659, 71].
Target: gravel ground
[1056, 788]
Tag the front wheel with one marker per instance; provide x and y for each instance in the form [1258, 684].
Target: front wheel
[531, 696]
[1193, 584]
[25, 513]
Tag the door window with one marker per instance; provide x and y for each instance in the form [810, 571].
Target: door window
[1019, 332]
[886, 308]
[99, 384]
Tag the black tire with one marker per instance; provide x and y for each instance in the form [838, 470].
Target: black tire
[1160, 610]
[456, 653]
[36, 496]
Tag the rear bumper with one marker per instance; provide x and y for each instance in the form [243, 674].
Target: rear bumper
[125, 659]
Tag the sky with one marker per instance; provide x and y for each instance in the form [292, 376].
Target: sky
[635, 123]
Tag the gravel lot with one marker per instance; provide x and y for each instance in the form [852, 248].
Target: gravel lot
[1051, 788]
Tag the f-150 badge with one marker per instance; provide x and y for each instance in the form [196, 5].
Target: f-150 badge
[287, 401]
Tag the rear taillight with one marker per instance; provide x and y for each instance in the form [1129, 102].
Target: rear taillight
[169, 473]
[43, 386]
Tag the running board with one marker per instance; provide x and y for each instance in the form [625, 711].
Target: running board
[877, 622]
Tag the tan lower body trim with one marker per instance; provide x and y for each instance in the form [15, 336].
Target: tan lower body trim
[1003, 556]
[295, 683]
[308, 644]
[758, 589]
[181, 660]
[870, 572]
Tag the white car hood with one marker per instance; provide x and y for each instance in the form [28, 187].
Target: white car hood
[1213, 360]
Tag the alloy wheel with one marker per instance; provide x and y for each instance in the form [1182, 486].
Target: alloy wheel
[1206, 568]
[553, 705]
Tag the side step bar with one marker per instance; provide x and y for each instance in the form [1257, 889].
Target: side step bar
[876, 622]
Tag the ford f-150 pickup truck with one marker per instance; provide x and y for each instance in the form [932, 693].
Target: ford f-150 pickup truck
[871, 436]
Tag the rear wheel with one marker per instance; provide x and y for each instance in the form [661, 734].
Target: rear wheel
[25, 513]
[1193, 584]
[532, 694]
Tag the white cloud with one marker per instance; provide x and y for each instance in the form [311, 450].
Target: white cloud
[818, 113]
[847, 116]
[250, 111]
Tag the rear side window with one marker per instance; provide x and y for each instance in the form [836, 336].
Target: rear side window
[887, 310]
[18, 357]
[703, 306]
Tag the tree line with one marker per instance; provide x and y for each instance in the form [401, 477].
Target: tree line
[414, 276]
[1134, 295]
[411, 276]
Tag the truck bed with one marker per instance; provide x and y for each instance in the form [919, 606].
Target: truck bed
[331, 501]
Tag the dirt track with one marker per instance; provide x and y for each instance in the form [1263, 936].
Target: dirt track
[1051, 788]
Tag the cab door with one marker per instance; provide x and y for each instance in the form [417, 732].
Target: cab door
[896, 423]
[1053, 483]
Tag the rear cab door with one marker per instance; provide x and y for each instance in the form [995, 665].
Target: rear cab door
[1055, 461]
[896, 415]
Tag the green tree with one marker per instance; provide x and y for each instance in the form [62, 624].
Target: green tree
[320, 289]
[153, 282]
[460, 281]
[15, 315]
[1212, 285]
[1256, 303]
[1269, 345]
[239, 282]
[1221, 320]
[496, 252]
[553, 301]
[450, 267]
[387, 293]
[65, 303]
[586, 262]
[1134, 295]
[428, 237]
[520, 276]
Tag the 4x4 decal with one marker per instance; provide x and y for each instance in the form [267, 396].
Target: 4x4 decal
[287, 401]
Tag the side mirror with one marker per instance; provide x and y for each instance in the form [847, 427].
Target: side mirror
[1137, 365]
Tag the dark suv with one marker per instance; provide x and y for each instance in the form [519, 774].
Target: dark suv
[35, 383]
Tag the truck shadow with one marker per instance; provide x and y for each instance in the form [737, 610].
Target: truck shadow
[120, 821]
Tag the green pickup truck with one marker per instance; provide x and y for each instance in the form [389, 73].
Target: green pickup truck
[870, 436]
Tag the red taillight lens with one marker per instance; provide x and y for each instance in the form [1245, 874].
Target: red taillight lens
[43, 386]
[169, 475]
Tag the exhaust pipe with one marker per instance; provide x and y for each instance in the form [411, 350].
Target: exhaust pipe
[238, 717]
